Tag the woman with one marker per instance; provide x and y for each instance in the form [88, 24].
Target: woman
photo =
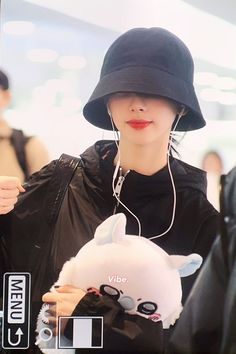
[145, 91]
[20, 155]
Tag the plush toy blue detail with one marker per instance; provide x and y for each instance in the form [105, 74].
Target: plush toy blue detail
[136, 272]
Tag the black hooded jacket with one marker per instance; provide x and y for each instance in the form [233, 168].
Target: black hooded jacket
[87, 202]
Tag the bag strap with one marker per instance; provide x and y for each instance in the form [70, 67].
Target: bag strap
[63, 172]
[62, 175]
[18, 140]
[41, 268]
[223, 228]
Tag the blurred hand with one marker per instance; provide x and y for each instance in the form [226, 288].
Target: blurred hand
[10, 187]
[62, 302]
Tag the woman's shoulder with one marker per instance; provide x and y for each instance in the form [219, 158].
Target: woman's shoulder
[43, 174]
[189, 177]
[190, 168]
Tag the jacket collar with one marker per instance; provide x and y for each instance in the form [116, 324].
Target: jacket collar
[98, 161]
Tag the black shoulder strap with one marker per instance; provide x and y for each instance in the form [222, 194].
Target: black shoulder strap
[18, 140]
[62, 175]
[63, 172]
[41, 262]
[223, 220]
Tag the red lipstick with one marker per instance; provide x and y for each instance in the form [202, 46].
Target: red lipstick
[138, 123]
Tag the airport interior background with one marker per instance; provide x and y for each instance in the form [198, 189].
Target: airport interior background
[53, 51]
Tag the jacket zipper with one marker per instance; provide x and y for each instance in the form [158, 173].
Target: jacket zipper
[118, 188]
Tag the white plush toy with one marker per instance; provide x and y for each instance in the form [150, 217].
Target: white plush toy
[144, 279]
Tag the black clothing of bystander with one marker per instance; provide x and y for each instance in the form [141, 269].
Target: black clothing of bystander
[208, 321]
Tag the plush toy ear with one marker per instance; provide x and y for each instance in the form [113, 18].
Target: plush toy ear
[111, 230]
[186, 265]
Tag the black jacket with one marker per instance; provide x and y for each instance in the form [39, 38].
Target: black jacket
[208, 322]
[89, 200]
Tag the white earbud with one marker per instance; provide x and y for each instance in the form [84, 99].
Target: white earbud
[108, 111]
[183, 111]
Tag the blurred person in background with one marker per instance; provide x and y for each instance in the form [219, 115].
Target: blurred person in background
[20, 155]
[212, 163]
[207, 324]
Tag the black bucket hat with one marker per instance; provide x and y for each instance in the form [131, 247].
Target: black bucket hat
[147, 60]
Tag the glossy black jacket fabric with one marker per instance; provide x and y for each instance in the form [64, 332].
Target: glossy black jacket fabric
[89, 200]
[208, 322]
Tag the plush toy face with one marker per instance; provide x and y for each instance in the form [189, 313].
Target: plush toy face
[138, 274]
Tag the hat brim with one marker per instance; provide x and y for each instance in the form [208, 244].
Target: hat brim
[146, 80]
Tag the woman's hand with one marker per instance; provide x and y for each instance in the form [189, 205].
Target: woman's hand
[10, 187]
[62, 302]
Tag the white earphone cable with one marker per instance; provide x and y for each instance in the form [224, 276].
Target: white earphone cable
[172, 182]
[170, 173]
[114, 178]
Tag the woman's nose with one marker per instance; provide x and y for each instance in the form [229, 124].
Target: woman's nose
[137, 104]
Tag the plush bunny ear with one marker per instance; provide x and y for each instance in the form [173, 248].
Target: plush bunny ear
[111, 230]
[186, 265]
